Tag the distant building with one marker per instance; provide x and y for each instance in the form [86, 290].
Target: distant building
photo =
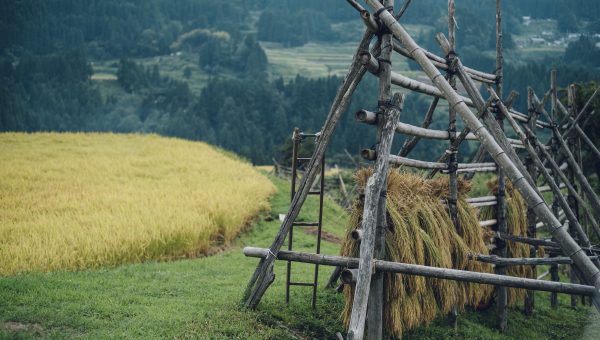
[538, 40]
[526, 20]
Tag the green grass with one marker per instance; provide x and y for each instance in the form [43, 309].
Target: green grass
[199, 298]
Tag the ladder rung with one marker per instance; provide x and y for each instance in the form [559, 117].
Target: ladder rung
[306, 284]
[304, 158]
[314, 192]
[306, 224]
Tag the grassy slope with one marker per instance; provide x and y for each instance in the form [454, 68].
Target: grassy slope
[199, 298]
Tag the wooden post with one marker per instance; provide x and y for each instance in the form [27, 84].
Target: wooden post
[452, 151]
[501, 292]
[572, 144]
[263, 275]
[555, 205]
[531, 218]
[373, 192]
[375, 304]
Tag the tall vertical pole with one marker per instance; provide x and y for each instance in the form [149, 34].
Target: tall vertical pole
[531, 218]
[376, 301]
[288, 273]
[555, 205]
[571, 142]
[452, 160]
[502, 292]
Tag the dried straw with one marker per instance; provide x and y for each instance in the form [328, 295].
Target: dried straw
[421, 232]
[516, 224]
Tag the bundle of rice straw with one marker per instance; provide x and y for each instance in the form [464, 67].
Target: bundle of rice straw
[516, 224]
[420, 231]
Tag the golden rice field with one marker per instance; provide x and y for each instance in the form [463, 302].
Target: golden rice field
[75, 201]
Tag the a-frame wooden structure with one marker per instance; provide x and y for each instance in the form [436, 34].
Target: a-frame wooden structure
[484, 121]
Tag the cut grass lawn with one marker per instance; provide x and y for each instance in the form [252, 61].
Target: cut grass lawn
[199, 298]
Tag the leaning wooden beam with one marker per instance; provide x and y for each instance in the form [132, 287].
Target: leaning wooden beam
[375, 185]
[263, 275]
[403, 9]
[440, 63]
[494, 129]
[493, 259]
[527, 190]
[426, 271]
[565, 181]
[531, 138]
[410, 143]
[585, 138]
[465, 132]
[581, 113]
[372, 64]
[570, 158]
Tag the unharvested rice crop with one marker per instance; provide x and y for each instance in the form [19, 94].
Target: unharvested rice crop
[422, 232]
[76, 201]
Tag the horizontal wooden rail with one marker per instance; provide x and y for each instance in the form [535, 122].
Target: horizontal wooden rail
[462, 167]
[420, 270]
[522, 261]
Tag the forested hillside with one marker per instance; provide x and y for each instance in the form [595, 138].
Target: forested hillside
[198, 69]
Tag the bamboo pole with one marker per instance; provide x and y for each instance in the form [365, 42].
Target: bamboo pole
[263, 276]
[568, 245]
[420, 270]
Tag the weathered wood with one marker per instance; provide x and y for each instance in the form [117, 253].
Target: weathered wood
[531, 138]
[585, 138]
[375, 185]
[578, 173]
[572, 143]
[376, 294]
[501, 292]
[335, 275]
[452, 151]
[440, 63]
[410, 143]
[420, 270]
[519, 261]
[403, 9]
[349, 276]
[343, 190]
[529, 302]
[465, 132]
[397, 160]
[263, 276]
[512, 171]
